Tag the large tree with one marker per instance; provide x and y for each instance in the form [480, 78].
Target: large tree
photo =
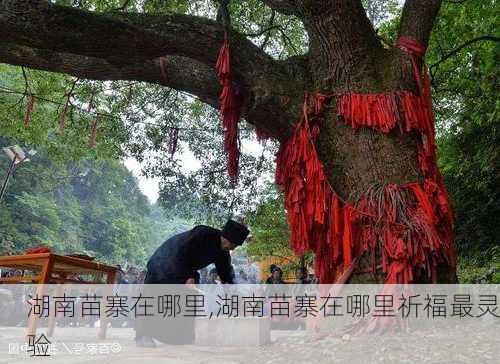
[180, 51]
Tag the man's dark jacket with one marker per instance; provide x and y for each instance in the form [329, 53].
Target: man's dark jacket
[181, 256]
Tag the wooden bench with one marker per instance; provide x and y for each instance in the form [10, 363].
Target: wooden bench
[57, 269]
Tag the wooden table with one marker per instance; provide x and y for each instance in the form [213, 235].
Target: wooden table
[51, 268]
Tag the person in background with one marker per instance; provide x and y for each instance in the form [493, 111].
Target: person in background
[203, 275]
[276, 275]
[135, 275]
[301, 276]
[142, 276]
[120, 276]
[242, 277]
[272, 289]
[252, 272]
[301, 281]
[213, 277]
[313, 279]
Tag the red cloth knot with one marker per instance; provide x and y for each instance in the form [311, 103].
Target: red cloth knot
[412, 46]
[230, 110]
[416, 50]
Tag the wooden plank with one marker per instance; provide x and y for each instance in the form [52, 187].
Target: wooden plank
[24, 257]
[24, 265]
[61, 263]
[20, 279]
[53, 264]
[77, 262]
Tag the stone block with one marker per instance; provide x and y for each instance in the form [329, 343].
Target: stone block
[234, 331]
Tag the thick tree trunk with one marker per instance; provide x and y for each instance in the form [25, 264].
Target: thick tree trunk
[344, 56]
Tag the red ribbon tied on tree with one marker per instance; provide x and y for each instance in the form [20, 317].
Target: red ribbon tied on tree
[29, 110]
[416, 50]
[230, 110]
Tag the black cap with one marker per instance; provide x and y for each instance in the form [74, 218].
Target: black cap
[276, 268]
[235, 232]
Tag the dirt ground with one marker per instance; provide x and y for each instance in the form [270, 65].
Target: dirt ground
[451, 345]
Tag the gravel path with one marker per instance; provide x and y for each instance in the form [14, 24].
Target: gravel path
[477, 344]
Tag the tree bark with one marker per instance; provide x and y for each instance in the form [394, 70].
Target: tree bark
[346, 56]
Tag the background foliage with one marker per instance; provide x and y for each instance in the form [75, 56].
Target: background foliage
[89, 206]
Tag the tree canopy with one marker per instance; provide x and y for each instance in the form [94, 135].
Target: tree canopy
[167, 85]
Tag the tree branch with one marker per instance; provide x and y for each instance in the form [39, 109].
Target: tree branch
[418, 18]
[124, 6]
[182, 74]
[117, 37]
[129, 46]
[286, 7]
[464, 45]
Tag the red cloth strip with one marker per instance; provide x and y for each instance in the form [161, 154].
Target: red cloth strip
[29, 110]
[230, 110]
[415, 236]
[416, 50]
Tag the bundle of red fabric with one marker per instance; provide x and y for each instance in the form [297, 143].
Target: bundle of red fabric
[29, 110]
[318, 220]
[416, 50]
[410, 235]
[409, 226]
[230, 110]
[307, 193]
[379, 111]
[409, 229]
